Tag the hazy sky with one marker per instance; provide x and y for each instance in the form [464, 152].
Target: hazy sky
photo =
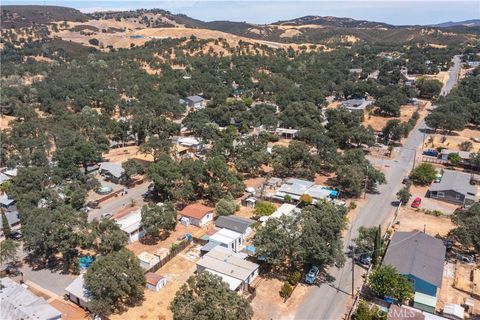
[264, 11]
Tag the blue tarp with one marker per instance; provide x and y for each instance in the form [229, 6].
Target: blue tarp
[251, 249]
[85, 261]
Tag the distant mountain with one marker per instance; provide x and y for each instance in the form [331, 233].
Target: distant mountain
[27, 15]
[333, 22]
[465, 23]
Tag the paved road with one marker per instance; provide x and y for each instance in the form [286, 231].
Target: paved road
[117, 203]
[330, 301]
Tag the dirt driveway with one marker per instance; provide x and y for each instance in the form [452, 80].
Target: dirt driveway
[412, 220]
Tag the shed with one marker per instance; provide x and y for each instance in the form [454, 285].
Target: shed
[154, 281]
[196, 102]
[148, 260]
[78, 293]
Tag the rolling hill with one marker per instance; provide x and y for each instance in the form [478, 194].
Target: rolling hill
[28, 15]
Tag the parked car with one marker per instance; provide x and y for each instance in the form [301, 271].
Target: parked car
[16, 235]
[106, 215]
[365, 259]
[431, 153]
[465, 258]
[312, 275]
[416, 202]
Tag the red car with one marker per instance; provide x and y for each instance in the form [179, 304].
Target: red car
[416, 203]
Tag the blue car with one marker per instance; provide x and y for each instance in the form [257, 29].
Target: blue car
[431, 153]
[312, 275]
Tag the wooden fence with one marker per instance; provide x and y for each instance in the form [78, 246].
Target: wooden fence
[170, 256]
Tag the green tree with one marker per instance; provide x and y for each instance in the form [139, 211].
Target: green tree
[205, 296]
[454, 158]
[7, 230]
[386, 281]
[389, 106]
[465, 146]
[157, 217]
[109, 237]
[365, 241]
[403, 195]
[378, 246]
[364, 312]
[423, 174]
[264, 208]
[131, 167]
[428, 88]
[225, 207]
[115, 281]
[8, 250]
[286, 290]
[467, 226]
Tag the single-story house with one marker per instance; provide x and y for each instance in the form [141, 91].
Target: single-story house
[155, 281]
[112, 171]
[198, 214]
[148, 260]
[464, 155]
[232, 267]
[295, 188]
[78, 293]
[421, 259]
[12, 218]
[318, 192]
[234, 223]
[131, 224]
[356, 104]
[454, 187]
[17, 302]
[285, 209]
[6, 202]
[228, 239]
[285, 133]
[196, 102]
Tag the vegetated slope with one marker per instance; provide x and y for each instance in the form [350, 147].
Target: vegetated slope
[27, 15]
[334, 22]
[464, 23]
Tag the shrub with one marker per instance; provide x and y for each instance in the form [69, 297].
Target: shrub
[286, 290]
[306, 199]
[295, 278]
[94, 42]
[352, 206]
[465, 146]
[225, 207]
[423, 174]
[264, 208]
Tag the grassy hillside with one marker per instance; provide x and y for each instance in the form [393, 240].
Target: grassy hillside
[28, 15]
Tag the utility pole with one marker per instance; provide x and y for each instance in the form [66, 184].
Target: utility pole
[353, 273]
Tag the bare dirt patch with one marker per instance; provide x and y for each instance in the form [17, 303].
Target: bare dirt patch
[155, 305]
[452, 141]
[120, 155]
[4, 121]
[412, 220]
[378, 122]
[269, 305]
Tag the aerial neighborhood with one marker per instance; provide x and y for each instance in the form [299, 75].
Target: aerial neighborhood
[156, 166]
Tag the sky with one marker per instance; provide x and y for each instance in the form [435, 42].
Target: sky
[264, 11]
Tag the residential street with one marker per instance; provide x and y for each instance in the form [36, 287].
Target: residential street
[331, 301]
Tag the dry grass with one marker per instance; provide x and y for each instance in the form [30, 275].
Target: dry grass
[452, 141]
[412, 220]
[120, 155]
[155, 305]
[378, 122]
[269, 305]
[4, 121]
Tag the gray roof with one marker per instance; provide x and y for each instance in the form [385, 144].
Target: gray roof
[16, 302]
[456, 181]
[353, 102]
[234, 223]
[194, 99]
[12, 218]
[210, 245]
[417, 254]
[5, 201]
[465, 155]
[114, 169]
[77, 288]
[4, 177]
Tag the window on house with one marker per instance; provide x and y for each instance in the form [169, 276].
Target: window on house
[441, 194]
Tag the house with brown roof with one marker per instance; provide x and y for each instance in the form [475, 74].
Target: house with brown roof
[155, 281]
[198, 214]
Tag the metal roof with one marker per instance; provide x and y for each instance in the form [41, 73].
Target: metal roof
[417, 254]
[237, 224]
[16, 302]
[12, 218]
[194, 99]
[114, 169]
[226, 262]
[130, 222]
[78, 289]
[225, 236]
[457, 181]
